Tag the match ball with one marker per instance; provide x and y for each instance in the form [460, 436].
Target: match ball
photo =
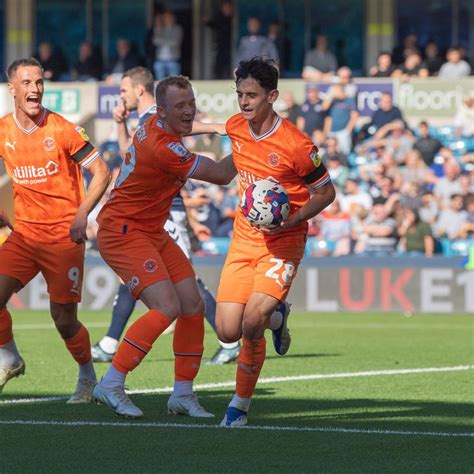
[265, 203]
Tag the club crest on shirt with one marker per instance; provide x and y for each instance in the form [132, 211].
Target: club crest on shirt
[179, 149]
[49, 144]
[82, 133]
[273, 159]
[315, 158]
[150, 265]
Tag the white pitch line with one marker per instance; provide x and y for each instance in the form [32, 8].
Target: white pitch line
[268, 380]
[251, 428]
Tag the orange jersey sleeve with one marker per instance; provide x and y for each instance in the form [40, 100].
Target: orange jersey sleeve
[284, 154]
[44, 163]
[155, 168]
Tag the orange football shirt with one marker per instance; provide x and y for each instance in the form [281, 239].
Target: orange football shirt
[155, 168]
[284, 154]
[44, 163]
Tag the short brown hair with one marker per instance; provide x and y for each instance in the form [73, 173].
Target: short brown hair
[11, 71]
[140, 76]
[181, 82]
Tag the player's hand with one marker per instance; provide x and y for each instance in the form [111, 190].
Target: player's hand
[5, 221]
[201, 231]
[291, 221]
[78, 229]
[220, 129]
[120, 113]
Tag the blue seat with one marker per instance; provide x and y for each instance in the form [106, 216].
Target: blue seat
[456, 248]
[216, 245]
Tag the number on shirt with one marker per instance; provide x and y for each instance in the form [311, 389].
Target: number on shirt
[282, 272]
[74, 275]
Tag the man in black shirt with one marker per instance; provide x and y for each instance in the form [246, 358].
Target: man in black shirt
[427, 145]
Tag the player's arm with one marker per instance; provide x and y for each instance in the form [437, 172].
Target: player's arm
[98, 185]
[120, 115]
[217, 172]
[200, 128]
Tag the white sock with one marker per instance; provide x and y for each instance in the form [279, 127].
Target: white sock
[240, 403]
[182, 388]
[229, 345]
[108, 344]
[87, 371]
[9, 355]
[276, 319]
[113, 378]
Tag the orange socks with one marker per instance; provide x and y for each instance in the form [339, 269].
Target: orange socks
[6, 332]
[250, 364]
[79, 346]
[139, 340]
[188, 346]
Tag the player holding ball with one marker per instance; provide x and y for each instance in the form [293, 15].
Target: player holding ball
[262, 261]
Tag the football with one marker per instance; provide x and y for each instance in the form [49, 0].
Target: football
[265, 203]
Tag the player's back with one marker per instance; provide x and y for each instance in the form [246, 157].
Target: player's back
[154, 169]
[43, 163]
[284, 154]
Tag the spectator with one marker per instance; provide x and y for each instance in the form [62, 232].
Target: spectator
[52, 61]
[313, 112]
[89, 64]
[353, 196]
[292, 110]
[412, 66]
[255, 44]
[455, 67]
[338, 172]
[380, 232]
[410, 195]
[452, 220]
[344, 74]
[167, 38]
[277, 36]
[415, 235]
[342, 117]
[385, 114]
[335, 227]
[433, 60]
[464, 118]
[449, 184]
[332, 152]
[416, 170]
[221, 23]
[384, 66]
[124, 59]
[429, 209]
[467, 230]
[319, 63]
[426, 145]
[410, 43]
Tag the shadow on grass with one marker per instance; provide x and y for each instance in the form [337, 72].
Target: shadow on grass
[385, 414]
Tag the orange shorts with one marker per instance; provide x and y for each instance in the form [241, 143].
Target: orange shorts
[250, 268]
[142, 259]
[62, 265]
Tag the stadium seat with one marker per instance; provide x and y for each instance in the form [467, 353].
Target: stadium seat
[456, 248]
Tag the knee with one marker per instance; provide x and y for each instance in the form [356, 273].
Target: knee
[253, 325]
[227, 334]
[66, 327]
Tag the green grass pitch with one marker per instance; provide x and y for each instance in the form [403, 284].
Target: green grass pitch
[324, 407]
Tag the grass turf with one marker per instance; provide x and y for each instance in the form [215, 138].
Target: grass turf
[440, 402]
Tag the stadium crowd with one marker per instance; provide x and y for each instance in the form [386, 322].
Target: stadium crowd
[398, 186]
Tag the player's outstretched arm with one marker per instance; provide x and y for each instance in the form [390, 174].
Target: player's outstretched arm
[217, 172]
[97, 187]
[202, 128]
[4, 220]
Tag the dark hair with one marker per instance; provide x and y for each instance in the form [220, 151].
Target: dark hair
[11, 70]
[264, 71]
[140, 76]
[181, 82]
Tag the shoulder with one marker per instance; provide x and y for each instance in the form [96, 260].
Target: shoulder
[234, 122]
